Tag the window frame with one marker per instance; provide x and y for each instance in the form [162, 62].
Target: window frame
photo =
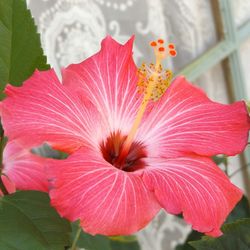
[226, 52]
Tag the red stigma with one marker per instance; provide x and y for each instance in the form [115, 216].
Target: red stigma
[171, 46]
[172, 52]
[153, 44]
[161, 49]
[160, 41]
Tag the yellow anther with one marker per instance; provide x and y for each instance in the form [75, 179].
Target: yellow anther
[154, 74]
[153, 81]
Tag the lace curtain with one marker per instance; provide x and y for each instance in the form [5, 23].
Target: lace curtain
[71, 30]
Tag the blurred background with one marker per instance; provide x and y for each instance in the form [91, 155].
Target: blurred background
[212, 38]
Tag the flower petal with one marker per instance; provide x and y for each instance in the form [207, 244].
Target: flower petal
[43, 110]
[9, 185]
[194, 186]
[107, 200]
[108, 79]
[185, 120]
[23, 168]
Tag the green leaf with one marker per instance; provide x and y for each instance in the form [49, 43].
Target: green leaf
[28, 222]
[241, 210]
[89, 242]
[236, 236]
[20, 47]
[248, 106]
[220, 159]
[125, 239]
[194, 235]
[124, 243]
[48, 152]
[100, 242]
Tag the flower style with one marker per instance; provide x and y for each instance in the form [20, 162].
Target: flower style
[130, 154]
[23, 168]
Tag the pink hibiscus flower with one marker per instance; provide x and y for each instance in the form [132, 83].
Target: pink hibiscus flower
[126, 164]
[23, 168]
[8, 184]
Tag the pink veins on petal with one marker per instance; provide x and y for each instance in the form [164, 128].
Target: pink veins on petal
[130, 154]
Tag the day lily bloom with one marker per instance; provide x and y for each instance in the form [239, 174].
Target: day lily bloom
[131, 153]
[23, 168]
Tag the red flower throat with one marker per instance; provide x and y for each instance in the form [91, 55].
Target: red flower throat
[111, 150]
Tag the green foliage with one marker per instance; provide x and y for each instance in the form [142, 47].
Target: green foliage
[194, 235]
[236, 236]
[248, 106]
[46, 151]
[90, 242]
[20, 47]
[220, 159]
[241, 210]
[28, 222]
[125, 239]
[124, 244]
[99, 242]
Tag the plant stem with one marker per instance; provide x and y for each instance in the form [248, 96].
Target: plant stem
[78, 232]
